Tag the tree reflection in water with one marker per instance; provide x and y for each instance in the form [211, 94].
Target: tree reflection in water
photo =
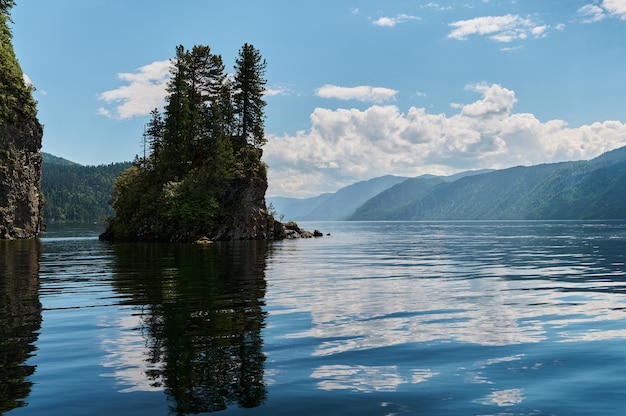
[202, 313]
[20, 319]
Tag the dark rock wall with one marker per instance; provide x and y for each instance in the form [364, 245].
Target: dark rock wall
[21, 202]
[247, 217]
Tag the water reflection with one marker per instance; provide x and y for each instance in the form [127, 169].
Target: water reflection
[367, 379]
[486, 284]
[375, 288]
[20, 319]
[199, 313]
[503, 398]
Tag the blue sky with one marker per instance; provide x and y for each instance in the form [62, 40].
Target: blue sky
[356, 89]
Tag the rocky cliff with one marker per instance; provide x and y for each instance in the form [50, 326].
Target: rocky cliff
[20, 149]
[248, 218]
[20, 180]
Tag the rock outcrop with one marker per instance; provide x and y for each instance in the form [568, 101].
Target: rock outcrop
[248, 218]
[292, 230]
[21, 202]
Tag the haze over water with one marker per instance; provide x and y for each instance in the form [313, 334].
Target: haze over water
[379, 318]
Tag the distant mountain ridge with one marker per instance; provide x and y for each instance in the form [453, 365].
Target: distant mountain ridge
[336, 206]
[56, 160]
[592, 189]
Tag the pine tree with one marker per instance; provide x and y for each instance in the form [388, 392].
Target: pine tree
[5, 8]
[154, 135]
[249, 87]
[177, 118]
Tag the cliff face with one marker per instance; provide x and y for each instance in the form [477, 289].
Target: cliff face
[248, 218]
[21, 202]
[20, 148]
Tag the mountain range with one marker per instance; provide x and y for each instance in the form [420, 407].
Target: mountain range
[592, 189]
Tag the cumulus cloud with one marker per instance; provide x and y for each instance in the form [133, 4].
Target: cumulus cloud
[392, 21]
[344, 146]
[496, 100]
[615, 8]
[498, 28]
[144, 92]
[362, 93]
[592, 13]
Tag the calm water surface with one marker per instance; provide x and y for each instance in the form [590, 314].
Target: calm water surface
[450, 318]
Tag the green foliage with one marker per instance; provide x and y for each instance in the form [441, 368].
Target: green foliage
[5, 7]
[249, 85]
[55, 160]
[16, 101]
[179, 190]
[190, 206]
[77, 194]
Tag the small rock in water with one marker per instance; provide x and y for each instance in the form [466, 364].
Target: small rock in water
[203, 240]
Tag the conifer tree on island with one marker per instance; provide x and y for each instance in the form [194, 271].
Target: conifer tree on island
[203, 175]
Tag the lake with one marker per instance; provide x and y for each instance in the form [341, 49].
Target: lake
[377, 318]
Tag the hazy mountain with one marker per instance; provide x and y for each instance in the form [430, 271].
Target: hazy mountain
[336, 206]
[571, 190]
[295, 208]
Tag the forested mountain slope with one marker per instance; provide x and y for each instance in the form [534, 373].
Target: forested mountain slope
[74, 193]
[571, 190]
[387, 202]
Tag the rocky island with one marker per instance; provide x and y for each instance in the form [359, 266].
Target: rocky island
[21, 202]
[201, 177]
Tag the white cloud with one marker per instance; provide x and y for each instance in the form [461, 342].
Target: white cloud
[104, 112]
[277, 90]
[592, 13]
[362, 93]
[615, 8]
[144, 92]
[435, 6]
[511, 49]
[27, 80]
[344, 146]
[392, 21]
[499, 28]
[496, 101]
